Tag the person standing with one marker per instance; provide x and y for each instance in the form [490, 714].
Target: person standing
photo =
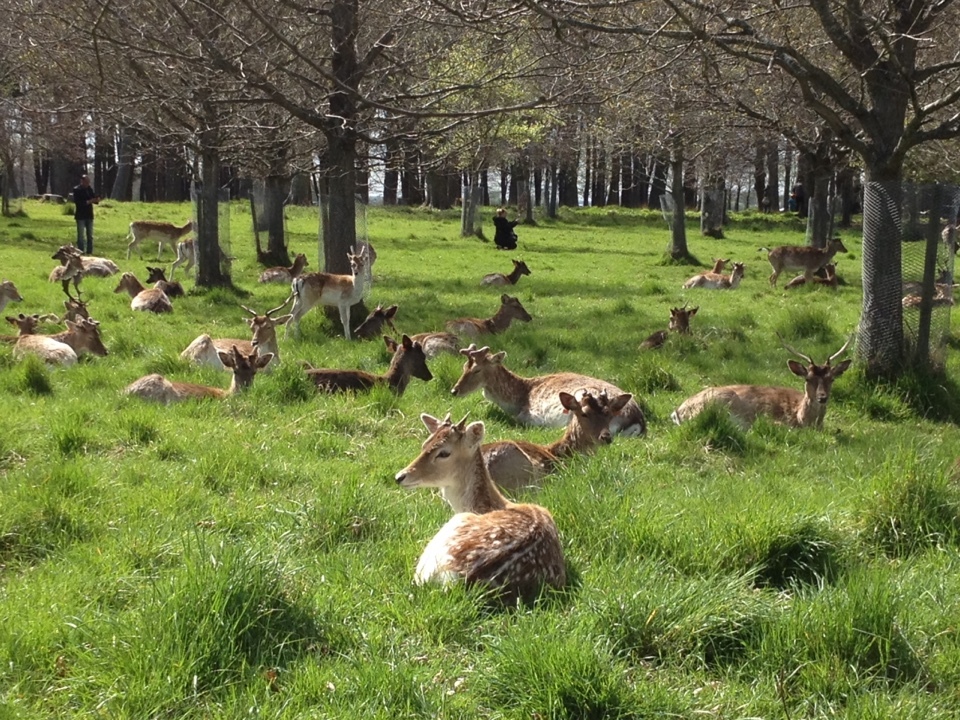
[84, 198]
[504, 237]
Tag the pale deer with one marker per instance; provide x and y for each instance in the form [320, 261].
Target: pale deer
[679, 323]
[186, 253]
[157, 388]
[70, 269]
[163, 233]
[91, 264]
[536, 400]
[517, 463]
[206, 350]
[717, 281]
[433, 343]
[372, 327]
[510, 309]
[783, 405]
[942, 296]
[158, 277]
[802, 257]
[519, 268]
[719, 264]
[828, 279]
[282, 274]
[513, 550]
[142, 298]
[63, 348]
[9, 293]
[407, 362]
[320, 288]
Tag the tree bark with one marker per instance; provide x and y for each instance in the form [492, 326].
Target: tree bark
[678, 230]
[210, 271]
[712, 205]
[772, 193]
[123, 184]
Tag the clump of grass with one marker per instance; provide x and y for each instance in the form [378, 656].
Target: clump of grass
[34, 377]
[715, 429]
[807, 323]
[69, 435]
[286, 383]
[649, 376]
[651, 287]
[802, 551]
[876, 400]
[623, 307]
[165, 364]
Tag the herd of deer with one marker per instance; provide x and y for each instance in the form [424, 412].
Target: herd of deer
[512, 549]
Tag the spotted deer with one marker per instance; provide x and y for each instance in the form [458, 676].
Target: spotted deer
[519, 269]
[158, 277]
[282, 274]
[536, 400]
[679, 323]
[9, 293]
[513, 550]
[152, 300]
[433, 343]
[802, 257]
[90, 264]
[717, 281]
[65, 347]
[69, 271]
[157, 388]
[372, 327]
[829, 278]
[783, 405]
[205, 350]
[320, 288]
[510, 309]
[407, 362]
[163, 233]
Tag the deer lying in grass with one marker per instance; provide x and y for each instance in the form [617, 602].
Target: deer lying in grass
[8, 293]
[802, 257]
[942, 296]
[372, 327]
[163, 233]
[75, 309]
[63, 348]
[510, 309]
[281, 274]
[70, 269]
[536, 400]
[25, 325]
[157, 388]
[679, 323]
[829, 278]
[158, 277]
[512, 549]
[147, 299]
[519, 268]
[719, 264]
[717, 281]
[784, 405]
[407, 362]
[90, 264]
[516, 463]
[206, 350]
[433, 343]
[320, 288]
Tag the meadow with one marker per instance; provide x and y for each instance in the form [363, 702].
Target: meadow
[254, 557]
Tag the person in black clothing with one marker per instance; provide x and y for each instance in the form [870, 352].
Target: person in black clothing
[505, 237]
[84, 198]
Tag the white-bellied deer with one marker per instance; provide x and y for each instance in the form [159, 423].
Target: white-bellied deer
[512, 549]
[372, 327]
[163, 233]
[157, 388]
[63, 348]
[158, 277]
[802, 257]
[282, 274]
[142, 298]
[519, 268]
[320, 288]
[517, 463]
[829, 278]
[433, 343]
[9, 293]
[407, 362]
[783, 405]
[206, 350]
[536, 400]
[679, 323]
[510, 309]
[717, 281]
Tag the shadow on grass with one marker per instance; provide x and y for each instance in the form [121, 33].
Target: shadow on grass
[917, 391]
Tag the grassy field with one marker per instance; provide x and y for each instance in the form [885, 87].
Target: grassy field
[254, 557]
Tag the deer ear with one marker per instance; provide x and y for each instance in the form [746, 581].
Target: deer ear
[693, 311]
[797, 368]
[226, 358]
[569, 402]
[262, 361]
[620, 402]
[391, 311]
[474, 433]
[498, 357]
[840, 369]
[407, 342]
[430, 422]
[390, 343]
[11, 320]
[282, 320]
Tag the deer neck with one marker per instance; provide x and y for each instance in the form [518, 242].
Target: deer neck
[397, 375]
[474, 490]
[810, 412]
[67, 337]
[500, 320]
[574, 441]
[506, 389]
[514, 276]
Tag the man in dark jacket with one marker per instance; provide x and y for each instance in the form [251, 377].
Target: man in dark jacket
[504, 237]
[84, 198]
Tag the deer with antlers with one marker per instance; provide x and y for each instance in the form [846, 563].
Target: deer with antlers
[205, 350]
[510, 309]
[519, 269]
[717, 281]
[679, 323]
[512, 549]
[283, 274]
[157, 388]
[407, 362]
[320, 288]
[805, 258]
[783, 405]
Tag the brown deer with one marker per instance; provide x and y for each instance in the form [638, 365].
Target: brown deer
[717, 281]
[679, 323]
[206, 350]
[25, 324]
[65, 347]
[148, 299]
[320, 288]
[90, 264]
[519, 268]
[433, 343]
[510, 309]
[512, 549]
[187, 254]
[536, 400]
[828, 279]
[157, 388]
[75, 309]
[802, 257]
[163, 233]
[70, 269]
[784, 405]
[158, 276]
[282, 274]
[372, 327]
[517, 463]
[9, 293]
[719, 264]
[408, 362]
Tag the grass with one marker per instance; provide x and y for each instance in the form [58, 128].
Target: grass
[255, 557]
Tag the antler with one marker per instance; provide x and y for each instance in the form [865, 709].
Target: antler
[795, 351]
[280, 306]
[252, 312]
[839, 352]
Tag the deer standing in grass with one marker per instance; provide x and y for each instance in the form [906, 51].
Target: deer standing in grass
[206, 350]
[717, 281]
[282, 274]
[512, 549]
[407, 362]
[8, 293]
[63, 348]
[372, 327]
[536, 400]
[320, 288]
[158, 276]
[433, 343]
[157, 388]
[802, 257]
[163, 233]
[510, 309]
[783, 405]
[519, 268]
[679, 323]
[152, 300]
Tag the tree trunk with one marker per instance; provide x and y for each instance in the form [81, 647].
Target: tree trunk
[818, 211]
[772, 194]
[847, 196]
[678, 231]
[613, 197]
[658, 183]
[712, 205]
[470, 207]
[300, 190]
[274, 194]
[587, 169]
[759, 173]
[123, 184]
[210, 271]
[787, 169]
[391, 173]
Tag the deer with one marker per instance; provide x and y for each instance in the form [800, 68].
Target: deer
[719, 264]
[147, 299]
[157, 388]
[802, 257]
[9, 293]
[90, 264]
[65, 347]
[513, 550]
[25, 324]
[206, 350]
[510, 309]
[535, 400]
[70, 269]
[163, 232]
[829, 278]
[516, 463]
[679, 323]
[433, 343]
[187, 253]
[75, 309]
[717, 281]
[407, 362]
[282, 274]
[942, 297]
[373, 326]
[320, 288]
[783, 405]
[519, 268]
[158, 276]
